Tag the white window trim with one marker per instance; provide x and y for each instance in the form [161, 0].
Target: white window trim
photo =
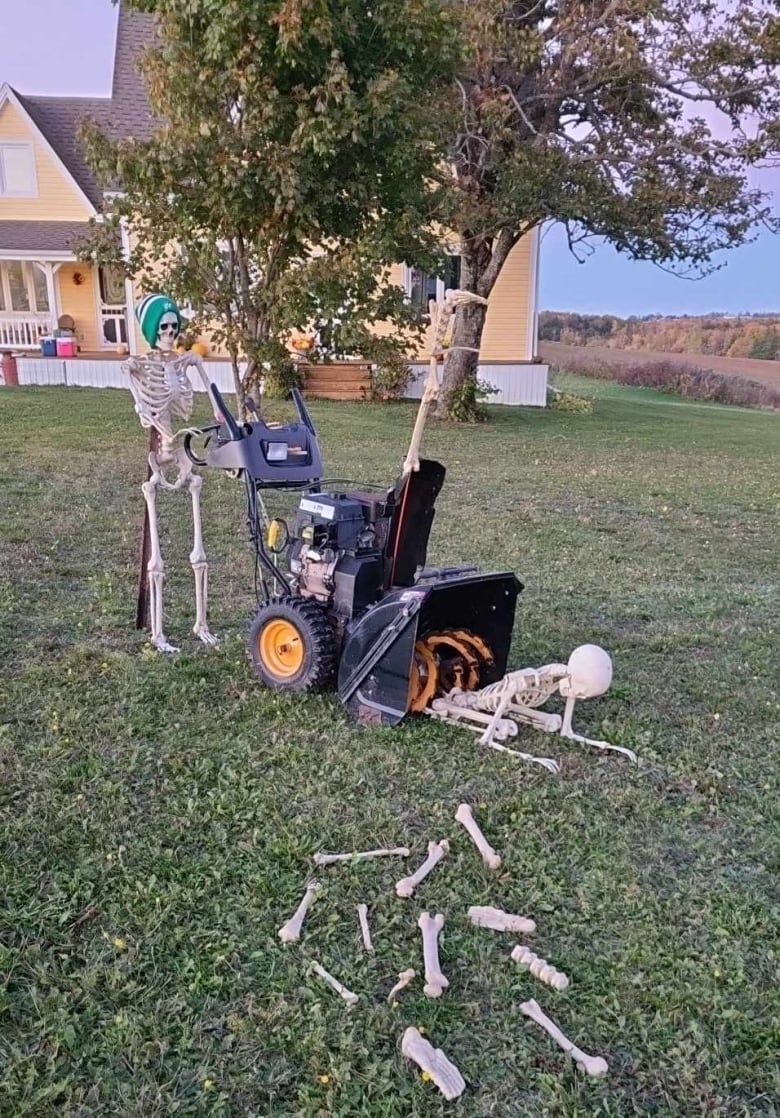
[27, 272]
[451, 249]
[18, 193]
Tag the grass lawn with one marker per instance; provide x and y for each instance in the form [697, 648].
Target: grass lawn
[158, 815]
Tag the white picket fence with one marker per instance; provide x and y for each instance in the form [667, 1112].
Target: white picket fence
[517, 385]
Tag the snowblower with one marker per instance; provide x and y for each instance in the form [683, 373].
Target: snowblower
[345, 596]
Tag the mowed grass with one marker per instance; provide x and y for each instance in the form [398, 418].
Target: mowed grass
[159, 815]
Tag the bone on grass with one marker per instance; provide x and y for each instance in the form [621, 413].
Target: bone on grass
[486, 917]
[350, 998]
[291, 931]
[593, 1065]
[328, 859]
[407, 885]
[435, 982]
[465, 817]
[404, 978]
[433, 1061]
[362, 911]
[540, 968]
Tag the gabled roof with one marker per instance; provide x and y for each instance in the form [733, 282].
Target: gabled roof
[125, 113]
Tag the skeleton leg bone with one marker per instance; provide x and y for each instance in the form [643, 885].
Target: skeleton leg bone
[200, 566]
[350, 998]
[362, 911]
[156, 567]
[593, 1065]
[407, 885]
[329, 859]
[465, 817]
[433, 1061]
[291, 931]
[435, 982]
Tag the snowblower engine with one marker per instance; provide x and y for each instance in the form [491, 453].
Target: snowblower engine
[352, 602]
[337, 550]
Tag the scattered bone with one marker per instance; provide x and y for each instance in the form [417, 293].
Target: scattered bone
[498, 921]
[350, 998]
[328, 859]
[433, 1061]
[362, 911]
[540, 968]
[407, 885]
[593, 1065]
[291, 931]
[465, 817]
[435, 982]
[404, 978]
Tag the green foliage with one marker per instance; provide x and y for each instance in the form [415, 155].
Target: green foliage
[158, 815]
[466, 404]
[389, 376]
[606, 117]
[292, 137]
[568, 402]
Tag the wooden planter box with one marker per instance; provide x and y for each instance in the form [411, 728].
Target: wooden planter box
[340, 380]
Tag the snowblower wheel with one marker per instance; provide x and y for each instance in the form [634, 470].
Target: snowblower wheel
[293, 645]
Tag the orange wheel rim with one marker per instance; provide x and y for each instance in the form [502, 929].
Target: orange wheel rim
[281, 648]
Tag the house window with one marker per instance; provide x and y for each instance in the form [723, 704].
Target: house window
[422, 287]
[17, 171]
[23, 288]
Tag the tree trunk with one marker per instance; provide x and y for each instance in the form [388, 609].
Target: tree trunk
[457, 395]
[481, 264]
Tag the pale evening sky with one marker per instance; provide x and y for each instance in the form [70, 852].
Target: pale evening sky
[66, 47]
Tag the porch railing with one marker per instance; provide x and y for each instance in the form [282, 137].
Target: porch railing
[23, 331]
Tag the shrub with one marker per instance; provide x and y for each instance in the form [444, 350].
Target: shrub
[389, 377]
[567, 401]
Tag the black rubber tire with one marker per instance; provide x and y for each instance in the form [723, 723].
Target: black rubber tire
[319, 641]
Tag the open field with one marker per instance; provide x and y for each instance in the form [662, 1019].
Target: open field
[766, 372]
[158, 816]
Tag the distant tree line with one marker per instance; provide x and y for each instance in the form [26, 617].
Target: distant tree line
[720, 335]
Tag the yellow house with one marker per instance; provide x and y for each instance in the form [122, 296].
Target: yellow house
[48, 195]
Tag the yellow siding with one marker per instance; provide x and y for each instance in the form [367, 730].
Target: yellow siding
[80, 301]
[58, 198]
[505, 337]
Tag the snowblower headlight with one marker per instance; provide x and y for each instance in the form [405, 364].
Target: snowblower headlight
[277, 452]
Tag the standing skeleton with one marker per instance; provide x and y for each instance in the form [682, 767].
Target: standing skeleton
[163, 394]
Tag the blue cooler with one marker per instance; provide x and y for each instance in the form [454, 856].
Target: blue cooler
[49, 347]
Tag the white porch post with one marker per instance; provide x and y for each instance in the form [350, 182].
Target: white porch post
[129, 295]
[48, 270]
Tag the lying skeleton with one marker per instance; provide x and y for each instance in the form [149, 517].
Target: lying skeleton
[494, 711]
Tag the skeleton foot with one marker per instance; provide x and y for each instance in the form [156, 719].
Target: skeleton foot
[162, 645]
[203, 633]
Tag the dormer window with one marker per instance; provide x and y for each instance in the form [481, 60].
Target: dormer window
[17, 171]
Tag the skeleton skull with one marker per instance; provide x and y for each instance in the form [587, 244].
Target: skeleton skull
[167, 332]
